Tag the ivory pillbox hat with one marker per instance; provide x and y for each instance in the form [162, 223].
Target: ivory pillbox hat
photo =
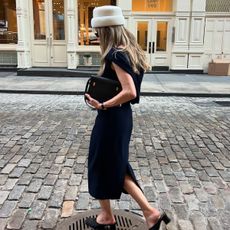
[107, 16]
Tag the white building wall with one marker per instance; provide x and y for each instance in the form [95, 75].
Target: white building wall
[125, 5]
[188, 49]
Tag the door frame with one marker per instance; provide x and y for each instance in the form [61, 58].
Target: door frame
[53, 53]
[157, 59]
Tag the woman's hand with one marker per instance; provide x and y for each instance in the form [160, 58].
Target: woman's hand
[96, 104]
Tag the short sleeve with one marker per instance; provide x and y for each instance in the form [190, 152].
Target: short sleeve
[121, 59]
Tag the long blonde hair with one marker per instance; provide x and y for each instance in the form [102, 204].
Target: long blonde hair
[119, 36]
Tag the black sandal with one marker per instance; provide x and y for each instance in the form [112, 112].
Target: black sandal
[163, 218]
[92, 222]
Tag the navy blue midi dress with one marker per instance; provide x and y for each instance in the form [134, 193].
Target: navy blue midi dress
[109, 143]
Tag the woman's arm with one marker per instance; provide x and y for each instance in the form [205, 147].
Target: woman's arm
[127, 93]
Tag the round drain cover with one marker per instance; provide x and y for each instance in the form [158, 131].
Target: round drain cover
[125, 221]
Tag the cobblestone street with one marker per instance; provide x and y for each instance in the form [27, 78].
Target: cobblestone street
[180, 151]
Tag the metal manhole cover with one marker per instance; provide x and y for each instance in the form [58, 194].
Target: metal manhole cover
[223, 103]
[125, 221]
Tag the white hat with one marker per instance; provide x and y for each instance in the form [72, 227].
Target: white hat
[107, 16]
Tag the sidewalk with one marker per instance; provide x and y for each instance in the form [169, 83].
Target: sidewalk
[153, 84]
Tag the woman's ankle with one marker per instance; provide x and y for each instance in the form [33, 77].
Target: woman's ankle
[105, 218]
[151, 215]
[150, 211]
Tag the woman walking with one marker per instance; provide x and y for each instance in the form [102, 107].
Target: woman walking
[109, 172]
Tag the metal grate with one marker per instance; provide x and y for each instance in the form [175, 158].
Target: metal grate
[217, 6]
[212, 103]
[8, 58]
[223, 103]
[125, 221]
[204, 103]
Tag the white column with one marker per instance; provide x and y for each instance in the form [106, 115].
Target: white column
[196, 39]
[181, 39]
[72, 34]
[24, 33]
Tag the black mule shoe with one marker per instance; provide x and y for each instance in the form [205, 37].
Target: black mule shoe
[164, 218]
[92, 223]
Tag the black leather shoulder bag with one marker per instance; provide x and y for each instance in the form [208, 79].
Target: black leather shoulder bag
[101, 88]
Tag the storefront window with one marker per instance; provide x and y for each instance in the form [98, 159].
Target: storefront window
[8, 22]
[85, 13]
[152, 5]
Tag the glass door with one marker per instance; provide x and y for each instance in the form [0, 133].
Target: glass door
[153, 36]
[144, 37]
[49, 45]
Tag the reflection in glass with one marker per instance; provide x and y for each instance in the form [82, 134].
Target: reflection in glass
[162, 36]
[142, 34]
[58, 20]
[8, 22]
[39, 19]
[85, 13]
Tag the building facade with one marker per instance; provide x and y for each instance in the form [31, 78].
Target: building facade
[175, 34]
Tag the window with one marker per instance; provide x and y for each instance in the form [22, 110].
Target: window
[152, 5]
[142, 34]
[58, 19]
[8, 22]
[162, 36]
[39, 19]
[85, 14]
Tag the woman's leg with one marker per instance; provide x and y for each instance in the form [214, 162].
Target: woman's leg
[106, 214]
[151, 214]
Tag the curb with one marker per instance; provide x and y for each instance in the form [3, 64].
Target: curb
[153, 94]
[41, 92]
[174, 94]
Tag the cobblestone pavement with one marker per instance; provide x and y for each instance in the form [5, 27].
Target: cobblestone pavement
[179, 151]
